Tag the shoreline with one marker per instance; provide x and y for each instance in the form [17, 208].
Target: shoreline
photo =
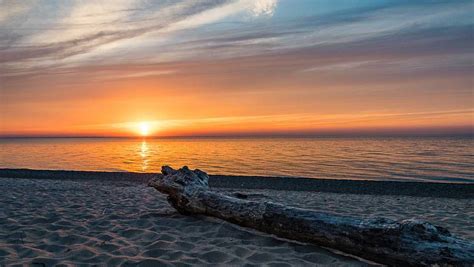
[360, 187]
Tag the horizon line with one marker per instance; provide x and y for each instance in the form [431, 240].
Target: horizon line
[458, 130]
[456, 134]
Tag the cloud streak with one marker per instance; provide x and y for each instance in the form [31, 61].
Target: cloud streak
[84, 27]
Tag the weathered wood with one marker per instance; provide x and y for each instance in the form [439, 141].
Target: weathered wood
[407, 242]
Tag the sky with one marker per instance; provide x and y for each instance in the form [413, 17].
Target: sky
[235, 67]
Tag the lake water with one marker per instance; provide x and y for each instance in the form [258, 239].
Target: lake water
[421, 159]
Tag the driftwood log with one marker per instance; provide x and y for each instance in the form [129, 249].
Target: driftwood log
[407, 242]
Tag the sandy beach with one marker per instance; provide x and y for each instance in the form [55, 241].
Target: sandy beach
[123, 222]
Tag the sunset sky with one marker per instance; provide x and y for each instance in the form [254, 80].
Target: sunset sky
[103, 68]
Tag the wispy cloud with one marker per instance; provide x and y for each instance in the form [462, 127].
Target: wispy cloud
[52, 35]
[81, 30]
[139, 74]
[340, 66]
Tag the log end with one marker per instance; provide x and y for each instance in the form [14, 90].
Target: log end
[180, 185]
[183, 179]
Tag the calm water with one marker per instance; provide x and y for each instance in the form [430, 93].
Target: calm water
[423, 159]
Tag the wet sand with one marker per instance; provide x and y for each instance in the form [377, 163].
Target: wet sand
[417, 189]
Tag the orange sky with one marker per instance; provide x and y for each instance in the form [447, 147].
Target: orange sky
[278, 70]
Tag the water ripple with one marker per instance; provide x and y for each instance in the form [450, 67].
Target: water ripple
[420, 159]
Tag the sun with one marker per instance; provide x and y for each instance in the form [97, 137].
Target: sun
[144, 128]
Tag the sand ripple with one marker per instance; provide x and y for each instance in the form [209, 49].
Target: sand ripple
[49, 222]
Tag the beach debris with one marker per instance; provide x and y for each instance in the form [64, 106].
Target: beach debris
[406, 243]
[241, 195]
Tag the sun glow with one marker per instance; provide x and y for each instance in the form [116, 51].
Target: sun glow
[144, 128]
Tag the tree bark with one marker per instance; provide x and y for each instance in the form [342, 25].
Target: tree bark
[407, 242]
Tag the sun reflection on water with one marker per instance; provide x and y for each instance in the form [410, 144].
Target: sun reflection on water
[144, 155]
[427, 159]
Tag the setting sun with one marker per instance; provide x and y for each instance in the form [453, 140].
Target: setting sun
[144, 128]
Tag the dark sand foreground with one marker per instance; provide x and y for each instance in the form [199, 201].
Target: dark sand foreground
[45, 222]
